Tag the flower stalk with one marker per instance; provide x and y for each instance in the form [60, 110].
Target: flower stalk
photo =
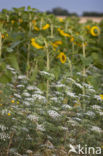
[28, 53]
[0, 44]
[48, 68]
[84, 73]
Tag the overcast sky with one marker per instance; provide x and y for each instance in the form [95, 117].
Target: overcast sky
[77, 6]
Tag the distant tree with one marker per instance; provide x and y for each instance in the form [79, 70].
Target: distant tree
[61, 12]
[93, 14]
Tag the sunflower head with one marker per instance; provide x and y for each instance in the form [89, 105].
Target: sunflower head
[101, 96]
[72, 39]
[46, 26]
[60, 19]
[62, 57]
[95, 31]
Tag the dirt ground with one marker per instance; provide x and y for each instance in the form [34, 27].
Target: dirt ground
[84, 19]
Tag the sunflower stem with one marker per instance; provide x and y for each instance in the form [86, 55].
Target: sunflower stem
[48, 68]
[0, 44]
[28, 53]
[84, 73]
[73, 50]
[51, 30]
[71, 70]
[41, 23]
[66, 26]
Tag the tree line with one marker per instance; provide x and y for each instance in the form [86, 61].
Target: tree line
[63, 12]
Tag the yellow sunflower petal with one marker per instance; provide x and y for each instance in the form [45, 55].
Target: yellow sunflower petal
[95, 31]
[46, 26]
[62, 57]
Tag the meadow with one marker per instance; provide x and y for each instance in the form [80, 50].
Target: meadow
[51, 83]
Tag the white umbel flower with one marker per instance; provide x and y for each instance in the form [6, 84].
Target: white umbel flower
[96, 129]
[53, 114]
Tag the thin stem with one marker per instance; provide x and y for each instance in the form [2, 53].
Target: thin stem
[66, 26]
[10, 142]
[51, 30]
[84, 73]
[48, 68]
[73, 48]
[70, 66]
[28, 60]
[41, 23]
[28, 54]
[0, 44]
[71, 71]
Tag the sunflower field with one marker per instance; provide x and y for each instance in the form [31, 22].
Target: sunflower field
[51, 83]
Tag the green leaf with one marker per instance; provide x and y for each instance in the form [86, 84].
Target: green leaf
[12, 60]
[14, 44]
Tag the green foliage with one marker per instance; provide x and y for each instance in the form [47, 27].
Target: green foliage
[50, 83]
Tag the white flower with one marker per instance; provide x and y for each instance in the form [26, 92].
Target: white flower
[87, 85]
[66, 106]
[78, 119]
[64, 128]
[78, 85]
[96, 129]
[73, 122]
[40, 127]
[32, 117]
[100, 113]
[59, 85]
[97, 107]
[55, 99]
[10, 68]
[90, 113]
[3, 128]
[39, 97]
[38, 92]
[18, 96]
[4, 111]
[20, 86]
[26, 103]
[30, 87]
[4, 136]
[70, 79]
[26, 94]
[97, 97]
[58, 93]
[29, 151]
[22, 77]
[92, 90]
[53, 114]
[74, 82]
[44, 73]
[71, 94]
[29, 99]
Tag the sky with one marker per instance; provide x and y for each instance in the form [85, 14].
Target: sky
[77, 6]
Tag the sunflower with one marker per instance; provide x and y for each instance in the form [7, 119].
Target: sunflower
[34, 22]
[56, 43]
[95, 31]
[72, 39]
[36, 28]
[63, 33]
[35, 45]
[12, 21]
[87, 27]
[20, 20]
[62, 57]
[60, 19]
[101, 96]
[46, 26]
[2, 36]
